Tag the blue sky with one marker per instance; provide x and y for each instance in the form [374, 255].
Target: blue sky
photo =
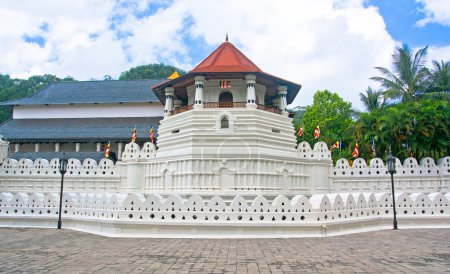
[323, 44]
[401, 17]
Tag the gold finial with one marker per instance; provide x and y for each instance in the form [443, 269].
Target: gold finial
[226, 37]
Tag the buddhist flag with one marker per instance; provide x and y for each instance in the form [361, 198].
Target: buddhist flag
[300, 131]
[108, 147]
[355, 153]
[335, 145]
[374, 151]
[224, 84]
[151, 134]
[174, 75]
[133, 137]
[317, 133]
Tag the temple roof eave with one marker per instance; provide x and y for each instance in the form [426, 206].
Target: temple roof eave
[261, 77]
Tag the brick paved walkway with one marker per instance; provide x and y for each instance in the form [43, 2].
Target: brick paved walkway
[65, 251]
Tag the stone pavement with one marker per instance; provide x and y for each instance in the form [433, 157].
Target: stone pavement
[28, 250]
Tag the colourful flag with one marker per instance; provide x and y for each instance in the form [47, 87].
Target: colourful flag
[355, 153]
[174, 75]
[317, 133]
[108, 147]
[151, 134]
[224, 84]
[374, 151]
[133, 137]
[300, 131]
[335, 145]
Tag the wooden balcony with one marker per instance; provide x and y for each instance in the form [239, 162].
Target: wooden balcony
[225, 105]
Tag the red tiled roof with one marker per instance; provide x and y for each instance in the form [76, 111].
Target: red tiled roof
[226, 58]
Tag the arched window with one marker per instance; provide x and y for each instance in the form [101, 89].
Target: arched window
[226, 100]
[224, 122]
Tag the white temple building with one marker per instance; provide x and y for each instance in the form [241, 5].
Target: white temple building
[226, 164]
[80, 118]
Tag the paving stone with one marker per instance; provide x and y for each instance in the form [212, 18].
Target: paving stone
[27, 250]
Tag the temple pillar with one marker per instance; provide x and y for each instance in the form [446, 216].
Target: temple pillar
[16, 148]
[119, 151]
[199, 82]
[57, 147]
[251, 95]
[37, 146]
[282, 92]
[168, 107]
[176, 104]
[99, 146]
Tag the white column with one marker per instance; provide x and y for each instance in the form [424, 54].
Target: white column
[282, 91]
[36, 147]
[169, 101]
[16, 148]
[99, 146]
[251, 96]
[176, 104]
[198, 102]
[119, 151]
[57, 147]
[77, 147]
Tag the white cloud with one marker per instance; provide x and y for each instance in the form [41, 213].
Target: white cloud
[328, 44]
[436, 11]
[438, 54]
[319, 44]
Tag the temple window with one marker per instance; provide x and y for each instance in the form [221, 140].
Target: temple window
[224, 122]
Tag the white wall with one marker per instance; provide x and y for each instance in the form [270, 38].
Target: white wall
[89, 111]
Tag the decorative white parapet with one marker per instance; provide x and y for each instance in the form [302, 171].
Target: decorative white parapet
[410, 176]
[3, 149]
[153, 215]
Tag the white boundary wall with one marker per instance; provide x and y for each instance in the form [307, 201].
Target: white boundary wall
[141, 171]
[143, 196]
[153, 215]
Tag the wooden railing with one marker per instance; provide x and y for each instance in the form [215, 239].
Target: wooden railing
[181, 109]
[269, 109]
[225, 105]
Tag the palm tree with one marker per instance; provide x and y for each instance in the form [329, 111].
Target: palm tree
[372, 99]
[439, 81]
[408, 80]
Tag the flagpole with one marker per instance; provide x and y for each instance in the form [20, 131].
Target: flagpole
[340, 148]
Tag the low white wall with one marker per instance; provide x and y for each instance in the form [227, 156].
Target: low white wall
[138, 215]
[142, 171]
[43, 176]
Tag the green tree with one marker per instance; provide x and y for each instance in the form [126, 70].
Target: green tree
[151, 71]
[372, 99]
[11, 89]
[423, 126]
[408, 80]
[331, 113]
[299, 111]
[439, 81]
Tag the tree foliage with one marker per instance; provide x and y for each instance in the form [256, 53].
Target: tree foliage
[12, 88]
[372, 99]
[150, 71]
[409, 78]
[328, 111]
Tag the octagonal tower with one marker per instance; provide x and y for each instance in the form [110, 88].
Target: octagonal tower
[227, 107]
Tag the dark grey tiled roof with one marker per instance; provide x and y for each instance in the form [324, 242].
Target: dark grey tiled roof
[90, 92]
[52, 155]
[78, 130]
